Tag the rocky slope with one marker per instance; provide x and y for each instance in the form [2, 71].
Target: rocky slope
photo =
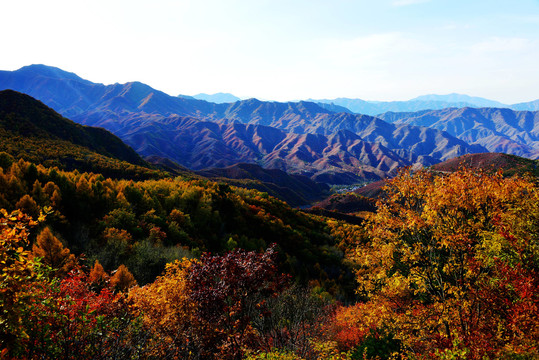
[496, 129]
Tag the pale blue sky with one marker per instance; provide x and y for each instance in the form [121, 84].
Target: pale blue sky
[284, 50]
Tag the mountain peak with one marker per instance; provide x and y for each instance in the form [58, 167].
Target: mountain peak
[218, 98]
[460, 98]
[50, 72]
[137, 87]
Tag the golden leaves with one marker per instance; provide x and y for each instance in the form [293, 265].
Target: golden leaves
[432, 241]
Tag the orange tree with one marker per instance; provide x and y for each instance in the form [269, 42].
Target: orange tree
[167, 312]
[434, 250]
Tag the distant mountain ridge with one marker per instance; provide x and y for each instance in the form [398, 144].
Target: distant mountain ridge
[299, 137]
[460, 98]
[424, 102]
[491, 162]
[218, 98]
[529, 106]
[498, 130]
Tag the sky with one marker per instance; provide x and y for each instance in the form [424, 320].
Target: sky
[285, 49]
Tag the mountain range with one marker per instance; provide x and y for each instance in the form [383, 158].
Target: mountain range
[342, 157]
[327, 142]
[424, 102]
[34, 132]
[498, 130]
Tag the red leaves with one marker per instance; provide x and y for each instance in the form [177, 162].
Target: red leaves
[507, 301]
[70, 320]
[76, 297]
[229, 291]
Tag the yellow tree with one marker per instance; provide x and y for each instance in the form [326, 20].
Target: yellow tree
[167, 310]
[16, 275]
[422, 257]
[98, 274]
[53, 253]
[98, 277]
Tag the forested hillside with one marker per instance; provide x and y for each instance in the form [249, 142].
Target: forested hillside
[447, 267]
[31, 130]
[146, 224]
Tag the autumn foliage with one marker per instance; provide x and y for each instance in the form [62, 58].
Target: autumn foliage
[454, 259]
[229, 292]
[205, 308]
[447, 268]
[16, 276]
[166, 310]
[53, 253]
[146, 224]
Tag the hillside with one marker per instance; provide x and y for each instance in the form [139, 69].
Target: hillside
[491, 162]
[347, 203]
[497, 130]
[295, 190]
[357, 200]
[31, 130]
[303, 277]
[146, 224]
